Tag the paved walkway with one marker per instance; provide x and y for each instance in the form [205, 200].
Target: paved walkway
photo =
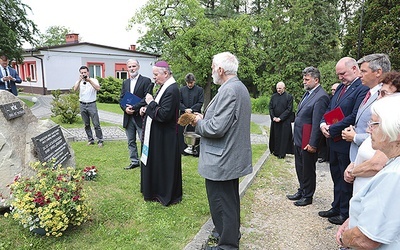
[42, 107]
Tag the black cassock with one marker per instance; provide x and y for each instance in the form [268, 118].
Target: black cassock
[281, 137]
[161, 178]
[189, 98]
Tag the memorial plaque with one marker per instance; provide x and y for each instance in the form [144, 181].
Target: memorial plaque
[12, 110]
[52, 145]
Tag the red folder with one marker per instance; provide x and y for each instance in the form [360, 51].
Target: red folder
[306, 135]
[334, 116]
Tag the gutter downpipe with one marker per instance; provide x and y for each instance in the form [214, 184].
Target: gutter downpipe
[41, 63]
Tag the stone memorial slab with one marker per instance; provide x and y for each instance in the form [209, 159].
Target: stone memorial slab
[52, 145]
[12, 110]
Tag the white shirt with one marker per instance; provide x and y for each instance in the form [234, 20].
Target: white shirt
[365, 152]
[133, 83]
[86, 91]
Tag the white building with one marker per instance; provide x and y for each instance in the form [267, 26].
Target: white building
[57, 67]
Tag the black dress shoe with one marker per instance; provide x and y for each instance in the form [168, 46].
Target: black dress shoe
[303, 202]
[337, 220]
[294, 197]
[132, 166]
[327, 214]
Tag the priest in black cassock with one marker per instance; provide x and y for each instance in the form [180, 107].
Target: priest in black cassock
[161, 170]
[280, 111]
[192, 98]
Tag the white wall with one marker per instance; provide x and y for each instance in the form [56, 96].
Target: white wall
[61, 64]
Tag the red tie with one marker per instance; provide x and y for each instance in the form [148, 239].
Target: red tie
[366, 98]
[342, 92]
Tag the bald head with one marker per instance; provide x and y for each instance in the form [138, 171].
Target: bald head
[347, 70]
[334, 87]
[280, 88]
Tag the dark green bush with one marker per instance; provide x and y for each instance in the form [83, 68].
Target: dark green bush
[110, 90]
[66, 106]
[260, 105]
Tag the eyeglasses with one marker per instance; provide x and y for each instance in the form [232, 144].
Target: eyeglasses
[384, 93]
[372, 123]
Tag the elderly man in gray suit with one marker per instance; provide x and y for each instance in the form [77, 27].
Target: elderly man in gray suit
[372, 68]
[307, 135]
[225, 153]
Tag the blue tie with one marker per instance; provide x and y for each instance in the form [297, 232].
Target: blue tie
[304, 98]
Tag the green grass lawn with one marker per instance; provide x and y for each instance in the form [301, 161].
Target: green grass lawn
[110, 107]
[121, 219]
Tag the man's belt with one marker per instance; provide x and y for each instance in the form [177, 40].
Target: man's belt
[87, 102]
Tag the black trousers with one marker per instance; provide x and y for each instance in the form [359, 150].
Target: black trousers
[224, 202]
[305, 170]
[342, 191]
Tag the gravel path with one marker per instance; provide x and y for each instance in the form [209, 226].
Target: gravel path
[273, 222]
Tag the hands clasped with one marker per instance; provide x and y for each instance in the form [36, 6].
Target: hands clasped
[348, 133]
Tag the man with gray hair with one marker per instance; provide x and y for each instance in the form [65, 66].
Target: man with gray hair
[225, 153]
[161, 172]
[372, 67]
[138, 85]
[307, 135]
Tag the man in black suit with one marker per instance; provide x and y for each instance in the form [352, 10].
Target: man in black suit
[307, 135]
[139, 86]
[348, 96]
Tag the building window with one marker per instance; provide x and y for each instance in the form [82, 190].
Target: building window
[28, 70]
[32, 71]
[121, 71]
[122, 75]
[96, 69]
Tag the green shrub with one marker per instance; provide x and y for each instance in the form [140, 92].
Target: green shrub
[110, 90]
[65, 106]
[260, 105]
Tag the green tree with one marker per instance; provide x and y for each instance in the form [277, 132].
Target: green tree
[379, 31]
[274, 40]
[15, 28]
[296, 35]
[54, 35]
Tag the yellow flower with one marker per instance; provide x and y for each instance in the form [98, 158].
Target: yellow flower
[49, 200]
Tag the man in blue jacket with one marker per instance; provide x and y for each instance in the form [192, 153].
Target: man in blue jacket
[348, 96]
[8, 76]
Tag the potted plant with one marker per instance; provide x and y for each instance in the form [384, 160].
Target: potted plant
[51, 200]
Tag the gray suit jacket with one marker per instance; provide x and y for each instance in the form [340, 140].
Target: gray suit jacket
[362, 118]
[310, 112]
[225, 147]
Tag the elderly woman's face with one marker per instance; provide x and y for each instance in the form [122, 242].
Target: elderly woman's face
[379, 142]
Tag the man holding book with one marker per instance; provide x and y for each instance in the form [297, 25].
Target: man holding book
[340, 114]
[136, 86]
[307, 135]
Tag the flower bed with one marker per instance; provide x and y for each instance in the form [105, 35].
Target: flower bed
[53, 199]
